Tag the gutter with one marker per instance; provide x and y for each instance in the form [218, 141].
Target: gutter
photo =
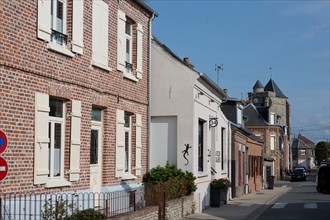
[215, 86]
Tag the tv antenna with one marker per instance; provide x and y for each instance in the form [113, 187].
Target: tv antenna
[218, 68]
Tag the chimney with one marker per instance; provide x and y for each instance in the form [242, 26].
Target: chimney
[187, 62]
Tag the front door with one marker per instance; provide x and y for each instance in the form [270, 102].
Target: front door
[96, 160]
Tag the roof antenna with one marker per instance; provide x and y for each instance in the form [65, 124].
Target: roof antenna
[218, 68]
[271, 73]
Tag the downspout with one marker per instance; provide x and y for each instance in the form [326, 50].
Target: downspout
[149, 89]
[263, 167]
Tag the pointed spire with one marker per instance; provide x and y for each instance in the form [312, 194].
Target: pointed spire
[272, 87]
[258, 85]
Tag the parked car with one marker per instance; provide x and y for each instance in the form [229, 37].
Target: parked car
[298, 174]
[323, 179]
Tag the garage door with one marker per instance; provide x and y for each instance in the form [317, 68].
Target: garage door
[163, 141]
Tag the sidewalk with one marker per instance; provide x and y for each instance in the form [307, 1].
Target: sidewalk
[248, 206]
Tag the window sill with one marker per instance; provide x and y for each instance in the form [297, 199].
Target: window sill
[59, 49]
[52, 183]
[202, 174]
[128, 176]
[130, 76]
[101, 66]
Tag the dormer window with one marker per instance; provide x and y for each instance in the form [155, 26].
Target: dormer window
[240, 115]
[272, 118]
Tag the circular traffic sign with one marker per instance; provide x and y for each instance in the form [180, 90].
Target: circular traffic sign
[3, 168]
[3, 141]
[213, 122]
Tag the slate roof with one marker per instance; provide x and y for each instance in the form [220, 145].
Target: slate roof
[306, 141]
[258, 85]
[298, 143]
[253, 116]
[272, 87]
[248, 132]
[263, 111]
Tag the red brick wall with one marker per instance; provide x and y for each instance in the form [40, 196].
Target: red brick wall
[27, 66]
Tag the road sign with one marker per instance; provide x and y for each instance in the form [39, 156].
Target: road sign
[3, 168]
[3, 141]
[213, 122]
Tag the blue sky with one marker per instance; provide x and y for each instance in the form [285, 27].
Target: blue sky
[250, 37]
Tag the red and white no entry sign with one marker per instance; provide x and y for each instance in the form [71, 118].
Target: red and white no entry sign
[3, 168]
[3, 141]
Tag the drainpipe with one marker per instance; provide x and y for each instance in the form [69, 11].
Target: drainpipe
[149, 89]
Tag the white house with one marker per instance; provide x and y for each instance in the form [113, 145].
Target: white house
[187, 127]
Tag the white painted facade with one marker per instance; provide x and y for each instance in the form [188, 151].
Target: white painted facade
[182, 104]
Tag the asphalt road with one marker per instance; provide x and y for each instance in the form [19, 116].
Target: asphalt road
[301, 202]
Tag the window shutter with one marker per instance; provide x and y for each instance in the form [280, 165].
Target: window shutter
[120, 143]
[41, 159]
[121, 41]
[75, 140]
[100, 32]
[139, 51]
[78, 26]
[138, 125]
[44, 20]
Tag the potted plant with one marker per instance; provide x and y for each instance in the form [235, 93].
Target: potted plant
[219, 189]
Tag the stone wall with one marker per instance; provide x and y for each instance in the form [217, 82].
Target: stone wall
[175, 209]
[179, 208]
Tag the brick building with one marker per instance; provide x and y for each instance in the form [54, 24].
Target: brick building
[74, 94]
[275, 109]
[270, 134]
[246, 151]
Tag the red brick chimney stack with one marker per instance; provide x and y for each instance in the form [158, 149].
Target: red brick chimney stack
[187, 62]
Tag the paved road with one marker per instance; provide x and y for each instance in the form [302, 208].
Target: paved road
[301, 202]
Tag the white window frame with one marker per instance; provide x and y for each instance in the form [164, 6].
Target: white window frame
[129, 55]
[128, 161]
[239, 114]
[272, 118]
[303, 152]
[53, 44]
[97, 125]
[54, 22]
[56, 181]
[272, 142]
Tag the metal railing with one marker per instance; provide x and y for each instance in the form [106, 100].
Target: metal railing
[70, 205]
[59, 37]
[77, 206]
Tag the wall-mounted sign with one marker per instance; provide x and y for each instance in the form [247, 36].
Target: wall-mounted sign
[3, 168]
[3, 141]
[213, 122]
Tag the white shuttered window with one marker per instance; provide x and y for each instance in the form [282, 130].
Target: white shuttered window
[41, 170]
[78, 26]
[75, 140]
[124, 146]
[100, 30]
[50, 115]
[132, 69]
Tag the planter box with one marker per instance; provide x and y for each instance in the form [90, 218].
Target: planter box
[218, 195]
